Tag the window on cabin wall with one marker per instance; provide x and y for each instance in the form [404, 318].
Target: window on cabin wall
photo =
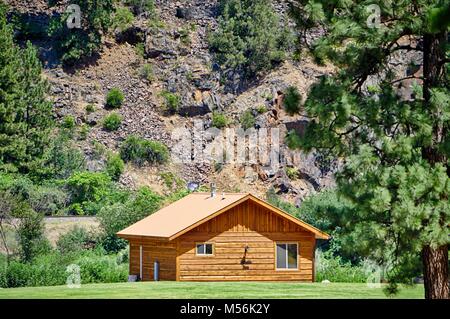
[287, 256]
[204, 249]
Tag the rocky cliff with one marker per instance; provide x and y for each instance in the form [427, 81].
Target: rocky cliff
[181, 63]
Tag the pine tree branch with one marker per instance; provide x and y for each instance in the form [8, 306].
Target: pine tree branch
[406, 47]
[444, 61]
[354, 128]
[407, 78]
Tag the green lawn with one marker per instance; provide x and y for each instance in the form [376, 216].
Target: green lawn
[164, 290]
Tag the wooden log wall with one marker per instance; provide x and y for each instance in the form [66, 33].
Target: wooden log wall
[164, 252]
[247, 224]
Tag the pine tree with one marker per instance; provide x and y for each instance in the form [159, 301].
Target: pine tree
[249, 37]
[25, 114]
[395, 149]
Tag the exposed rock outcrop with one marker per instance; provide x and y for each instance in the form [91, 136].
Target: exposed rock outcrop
[181, 63]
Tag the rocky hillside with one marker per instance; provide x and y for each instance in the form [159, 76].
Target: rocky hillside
[177, 50]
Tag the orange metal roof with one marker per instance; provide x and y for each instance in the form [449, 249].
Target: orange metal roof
[194, 209]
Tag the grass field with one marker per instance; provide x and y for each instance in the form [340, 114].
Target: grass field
[166, 290]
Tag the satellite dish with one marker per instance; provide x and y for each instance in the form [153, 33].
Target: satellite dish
[192, 186]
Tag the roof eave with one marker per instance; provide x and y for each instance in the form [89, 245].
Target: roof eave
[317, 232]
[141, 237]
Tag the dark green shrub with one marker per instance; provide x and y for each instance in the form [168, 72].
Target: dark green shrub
[88, 186]
[219, 120]
[138, 150]
[112, 122]
[99, 150]
[114, 218]
[155, 152]
[115, 98]
[48, 199]
[172, 101]
[88, 190]
[123, 19]
[101, 269]
[79, 43]
[291, 101]
[84, 132]
[17, 275]
[118, 216]
[146, 72]
[139, 6]
[332, 268]
[114, 166]
[139, 48]
[261, 109]
[26, 28]
[51, 269]
[324, 210]
[48, 270]
[248, 119]
[77, 238]
[69, 122]
[30, 233]
[249, 36]
[145, 202]
[62, 159]
[171, 180]
[45, 270]
[292, 139]
[90, 108]
[112, 243]
[123, 256]
[20, 186]
[3, 270]
[292, 173]
[131, 150]
[185, 36]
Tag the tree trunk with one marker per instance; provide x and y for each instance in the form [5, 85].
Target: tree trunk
[435, 260]
[433, 74]
[435, 272]
[433, 57]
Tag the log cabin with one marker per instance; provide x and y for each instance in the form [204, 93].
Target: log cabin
[232, 237]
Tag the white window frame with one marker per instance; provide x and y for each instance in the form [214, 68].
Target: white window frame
[287, 254]
[204, 254]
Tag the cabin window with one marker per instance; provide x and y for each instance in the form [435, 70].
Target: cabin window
[204, 249]
[287, 256]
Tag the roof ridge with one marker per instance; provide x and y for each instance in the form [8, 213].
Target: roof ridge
[229, 193]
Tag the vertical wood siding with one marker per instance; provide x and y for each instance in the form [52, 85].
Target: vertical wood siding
[164, 252]
[246, 224]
